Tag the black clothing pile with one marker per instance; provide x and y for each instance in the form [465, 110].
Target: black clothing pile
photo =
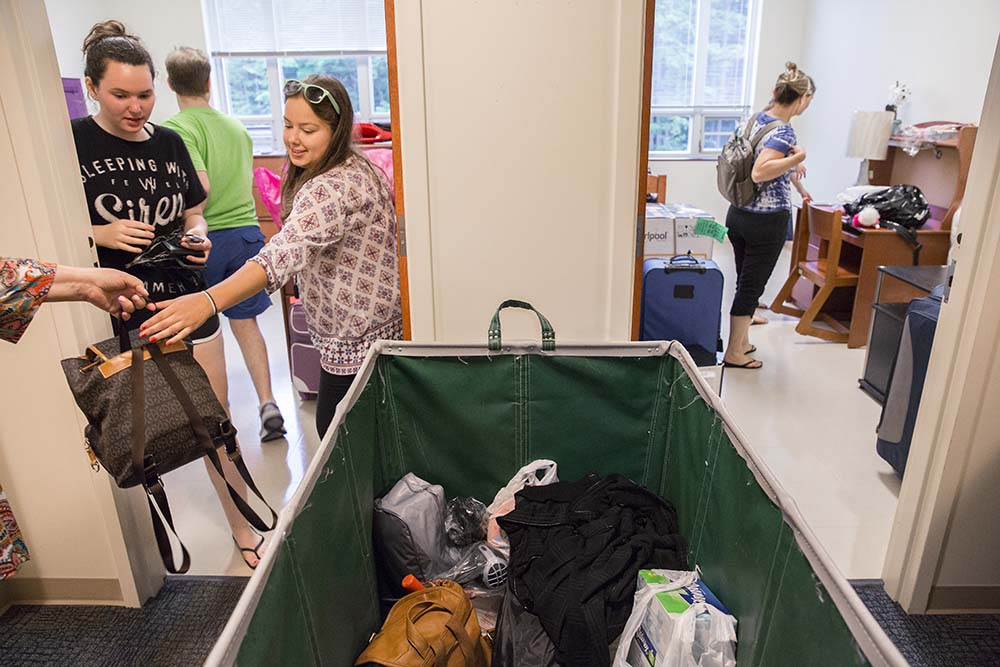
[576, 550]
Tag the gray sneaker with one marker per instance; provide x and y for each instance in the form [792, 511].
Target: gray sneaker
[272, 424]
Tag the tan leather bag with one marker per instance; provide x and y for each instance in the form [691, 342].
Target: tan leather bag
[435, 627]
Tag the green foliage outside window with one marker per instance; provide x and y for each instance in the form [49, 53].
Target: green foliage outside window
[380, 84]
[669, 133]
[249, 94]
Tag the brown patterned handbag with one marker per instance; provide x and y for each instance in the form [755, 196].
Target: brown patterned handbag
[150, 410]
[433, 627]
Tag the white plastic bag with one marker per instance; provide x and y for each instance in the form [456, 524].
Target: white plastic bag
[536, 473]
[526, 476]
[701, 636]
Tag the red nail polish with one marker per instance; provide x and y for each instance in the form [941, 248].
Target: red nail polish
[153, 339]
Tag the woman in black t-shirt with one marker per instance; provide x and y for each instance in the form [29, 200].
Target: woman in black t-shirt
[138, 177]
[140, 184]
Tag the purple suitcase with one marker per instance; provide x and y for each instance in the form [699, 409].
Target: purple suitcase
[305, 360]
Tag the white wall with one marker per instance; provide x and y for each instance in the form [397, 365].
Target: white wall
[856, 49]
[782, 25]
[87, 540]
[505, 199]
[162, 26]
[944, 545]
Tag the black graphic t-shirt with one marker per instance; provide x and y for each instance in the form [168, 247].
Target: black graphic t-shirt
[152, 181]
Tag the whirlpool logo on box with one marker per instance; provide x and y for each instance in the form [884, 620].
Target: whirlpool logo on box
[658, 236]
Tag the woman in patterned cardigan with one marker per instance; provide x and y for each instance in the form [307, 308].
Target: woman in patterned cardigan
[338, 239]
[25, 283]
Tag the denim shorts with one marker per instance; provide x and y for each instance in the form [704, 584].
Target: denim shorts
[231, 248]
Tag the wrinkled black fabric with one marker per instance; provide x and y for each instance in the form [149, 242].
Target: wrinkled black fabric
[575, 551]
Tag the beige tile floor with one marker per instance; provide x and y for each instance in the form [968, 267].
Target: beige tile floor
[803, 412]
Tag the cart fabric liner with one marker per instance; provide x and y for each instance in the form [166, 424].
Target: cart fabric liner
[468, 417]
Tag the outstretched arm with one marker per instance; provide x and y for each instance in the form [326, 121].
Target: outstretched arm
[179, 317]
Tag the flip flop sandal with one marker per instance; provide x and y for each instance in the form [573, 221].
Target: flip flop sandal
[747, 366]
[753, 348]
[254, 551]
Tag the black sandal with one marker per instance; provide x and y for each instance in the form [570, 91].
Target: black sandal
[747, 366]
[254, 551]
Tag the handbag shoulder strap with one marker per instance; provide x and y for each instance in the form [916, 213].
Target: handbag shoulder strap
[147, 473]
[229, 438]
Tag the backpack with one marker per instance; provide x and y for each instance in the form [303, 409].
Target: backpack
[736, 163]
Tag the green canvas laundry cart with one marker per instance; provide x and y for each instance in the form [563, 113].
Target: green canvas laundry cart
[468, 416]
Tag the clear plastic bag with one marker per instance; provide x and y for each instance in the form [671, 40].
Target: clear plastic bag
[465, 521]
[486, 602]
[520, 640]
[477, 564]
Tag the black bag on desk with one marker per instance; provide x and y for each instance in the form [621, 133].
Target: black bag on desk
[151, 410]
[904, 205]
[906, 385]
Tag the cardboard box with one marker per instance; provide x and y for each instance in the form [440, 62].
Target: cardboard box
[659, 241]
[670, 231]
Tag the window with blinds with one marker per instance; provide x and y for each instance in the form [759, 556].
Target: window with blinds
[703, 52]
[257, 44]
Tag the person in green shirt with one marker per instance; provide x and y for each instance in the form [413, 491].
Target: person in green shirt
[222, 153]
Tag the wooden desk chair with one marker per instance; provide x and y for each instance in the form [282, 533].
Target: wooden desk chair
[657, 185]
[825, 272]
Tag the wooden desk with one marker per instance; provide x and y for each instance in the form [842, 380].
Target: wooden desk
[881, 247]
[940, 169]
[872, 248]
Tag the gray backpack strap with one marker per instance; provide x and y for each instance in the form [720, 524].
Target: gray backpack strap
[762, 132]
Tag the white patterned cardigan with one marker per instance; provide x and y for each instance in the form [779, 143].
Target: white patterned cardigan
[339, 241]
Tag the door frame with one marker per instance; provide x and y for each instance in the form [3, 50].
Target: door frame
[640, 214]
[397, 166]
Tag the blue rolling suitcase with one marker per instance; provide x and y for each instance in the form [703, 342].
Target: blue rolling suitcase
[906, 384]
[682, 300]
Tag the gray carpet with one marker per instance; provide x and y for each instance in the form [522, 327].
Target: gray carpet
[934, 640]
[180, 625]
[177, 627]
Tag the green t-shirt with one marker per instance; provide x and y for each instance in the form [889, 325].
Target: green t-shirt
[221, 147]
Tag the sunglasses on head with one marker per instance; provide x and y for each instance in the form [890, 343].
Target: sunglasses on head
[314, 94]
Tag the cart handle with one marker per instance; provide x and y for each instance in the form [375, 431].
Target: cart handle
[493, 335]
